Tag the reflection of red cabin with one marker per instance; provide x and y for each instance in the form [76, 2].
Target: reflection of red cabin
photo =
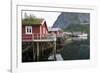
[38, 27]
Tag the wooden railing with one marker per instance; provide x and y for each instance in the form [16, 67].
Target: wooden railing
[37, 36]
[43, 36]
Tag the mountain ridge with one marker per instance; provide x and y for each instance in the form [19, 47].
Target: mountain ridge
[67, 18]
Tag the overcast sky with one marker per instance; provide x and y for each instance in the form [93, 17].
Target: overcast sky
[50, 17]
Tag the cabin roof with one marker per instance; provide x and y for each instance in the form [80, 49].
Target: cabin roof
[32, 21]
[54, 29]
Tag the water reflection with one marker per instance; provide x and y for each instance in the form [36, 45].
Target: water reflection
[79, 38]
[76, 48]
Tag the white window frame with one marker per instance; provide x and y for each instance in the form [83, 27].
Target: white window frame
[26, 27]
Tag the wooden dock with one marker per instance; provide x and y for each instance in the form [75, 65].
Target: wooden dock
[39, 43]
[58, 57]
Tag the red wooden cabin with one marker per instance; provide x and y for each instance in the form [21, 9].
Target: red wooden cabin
[33, 28]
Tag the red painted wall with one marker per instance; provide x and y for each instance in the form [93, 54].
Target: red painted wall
[35, 29]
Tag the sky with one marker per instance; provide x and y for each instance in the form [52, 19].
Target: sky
[50, 17]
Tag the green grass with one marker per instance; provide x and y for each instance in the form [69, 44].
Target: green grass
[31, 21]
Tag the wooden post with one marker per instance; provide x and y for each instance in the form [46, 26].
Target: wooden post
[32, 36]
[54, 51]
[37, 51]
[41, 49]
[33, 51]
[55, 48]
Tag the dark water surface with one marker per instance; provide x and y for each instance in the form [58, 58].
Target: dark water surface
[76, 50]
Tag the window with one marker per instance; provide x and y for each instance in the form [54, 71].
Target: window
[28, 29]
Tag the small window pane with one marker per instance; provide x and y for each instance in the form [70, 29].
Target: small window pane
[29, 29]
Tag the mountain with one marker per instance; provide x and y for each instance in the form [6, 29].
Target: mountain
[77, 28]
[68, 18]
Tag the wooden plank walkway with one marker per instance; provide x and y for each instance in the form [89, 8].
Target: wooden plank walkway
[58, 57]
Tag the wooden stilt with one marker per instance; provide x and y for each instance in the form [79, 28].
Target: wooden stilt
[41, 49]
[55, 50]
[33, 51]
[37, 51]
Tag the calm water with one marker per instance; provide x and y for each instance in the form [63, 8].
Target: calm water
[78, 48]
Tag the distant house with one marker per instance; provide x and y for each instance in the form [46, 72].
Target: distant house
[83, 35]
[79, 34]
[33, 26]
[57, 31]
[67, 33]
